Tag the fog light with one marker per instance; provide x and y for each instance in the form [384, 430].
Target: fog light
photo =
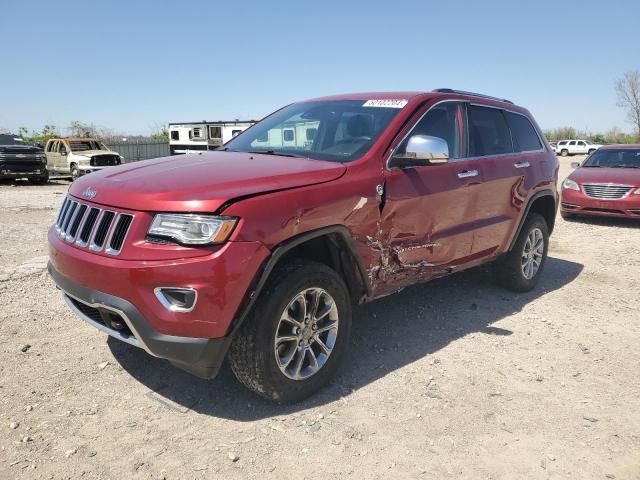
[177, 299]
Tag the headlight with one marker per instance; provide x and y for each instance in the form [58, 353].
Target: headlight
[570, 184]
[192, 229]
[637, 192]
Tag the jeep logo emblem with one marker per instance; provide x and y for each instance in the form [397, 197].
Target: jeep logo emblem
[89, 193]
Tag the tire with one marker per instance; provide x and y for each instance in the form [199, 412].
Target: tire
[567, 216]
[591, 151]
[511, 269]
[75, 172]
[564, 152]
[42, 180]
[253, 356]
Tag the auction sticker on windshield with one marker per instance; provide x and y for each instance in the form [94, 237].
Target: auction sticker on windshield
[390, 103]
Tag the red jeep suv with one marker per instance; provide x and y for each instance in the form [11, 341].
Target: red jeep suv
[257, 252]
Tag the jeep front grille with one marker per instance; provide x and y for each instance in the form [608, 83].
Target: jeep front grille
[92, 227]
[606, 191]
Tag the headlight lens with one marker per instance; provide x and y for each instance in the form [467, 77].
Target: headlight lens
[570, 184]
[637, 192]
[192, 229]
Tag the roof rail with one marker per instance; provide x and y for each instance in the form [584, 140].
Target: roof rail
[463, 92]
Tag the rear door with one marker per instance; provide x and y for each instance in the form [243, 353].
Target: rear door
[581, 147]
[502, 190]
[571, 146]
[53, 157]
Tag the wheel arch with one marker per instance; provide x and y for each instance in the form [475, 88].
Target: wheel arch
[543, 203]
[332, 246]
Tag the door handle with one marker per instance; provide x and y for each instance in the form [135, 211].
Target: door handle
[522, 165]
[468, 173]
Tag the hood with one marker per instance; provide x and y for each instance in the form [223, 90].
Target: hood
[19, 149]
[200, 183]
[93, 153]
[622, 176]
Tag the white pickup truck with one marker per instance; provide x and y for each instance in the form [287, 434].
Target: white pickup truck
[576, 147]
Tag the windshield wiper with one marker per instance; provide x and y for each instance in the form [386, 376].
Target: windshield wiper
[273, 152]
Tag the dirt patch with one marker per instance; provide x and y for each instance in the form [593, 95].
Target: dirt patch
[452, 379]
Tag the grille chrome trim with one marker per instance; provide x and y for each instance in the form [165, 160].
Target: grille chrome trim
[112, 241]
[607, 191]
[93, 246]
[81, 224]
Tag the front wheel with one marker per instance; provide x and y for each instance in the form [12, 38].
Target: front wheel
[564, 152]
[75, 172]
[292, 342]
[520, 269]
[41, 180]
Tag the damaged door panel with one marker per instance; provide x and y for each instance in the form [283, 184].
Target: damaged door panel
[424, 227]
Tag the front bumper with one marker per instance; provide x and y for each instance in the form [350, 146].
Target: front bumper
[120, 319]
[22, 171]
[577, 203]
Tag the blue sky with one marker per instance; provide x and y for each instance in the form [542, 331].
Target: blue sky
[132, 66]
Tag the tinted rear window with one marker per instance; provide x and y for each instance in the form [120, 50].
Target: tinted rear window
[524, 134]
[488, 132]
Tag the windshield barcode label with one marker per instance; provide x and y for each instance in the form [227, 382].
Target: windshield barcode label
[386, 103]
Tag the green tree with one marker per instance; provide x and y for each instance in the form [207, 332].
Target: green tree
[47, 132]
[161, 135]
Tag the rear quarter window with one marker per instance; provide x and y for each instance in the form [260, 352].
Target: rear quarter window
[524, 134]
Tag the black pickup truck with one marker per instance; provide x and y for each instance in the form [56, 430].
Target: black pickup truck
[21, 160]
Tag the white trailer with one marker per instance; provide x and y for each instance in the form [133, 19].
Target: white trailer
[191, 137]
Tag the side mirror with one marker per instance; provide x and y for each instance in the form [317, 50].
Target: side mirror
[575, 164]
[422, 150]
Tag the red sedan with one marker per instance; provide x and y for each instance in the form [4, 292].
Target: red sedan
[606, 184]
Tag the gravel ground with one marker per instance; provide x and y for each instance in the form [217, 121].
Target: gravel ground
[452, 379]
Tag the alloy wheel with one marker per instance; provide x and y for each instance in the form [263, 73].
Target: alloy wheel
[306, 333]
[532, 253]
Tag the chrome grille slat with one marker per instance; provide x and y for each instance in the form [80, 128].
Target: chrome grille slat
[67, 218]
[64, 206]
[606, 191]
[122, 225]
[74, 226]
[102, 230]
[88, 226]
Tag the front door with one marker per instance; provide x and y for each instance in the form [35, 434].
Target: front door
[425, 218]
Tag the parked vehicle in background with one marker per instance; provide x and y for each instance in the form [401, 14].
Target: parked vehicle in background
[257, 251]
[79, 156]
[21, 160]
[576, 147]
[606, 184]
[553, 146]
[188, 137]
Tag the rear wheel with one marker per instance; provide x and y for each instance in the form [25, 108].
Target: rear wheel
[591, 151]
[520, 269]
[564, 152]
[75, 171]
[292, 342]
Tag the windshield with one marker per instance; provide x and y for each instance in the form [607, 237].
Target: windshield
[338, 131]
[82, 145]
[627, 158]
